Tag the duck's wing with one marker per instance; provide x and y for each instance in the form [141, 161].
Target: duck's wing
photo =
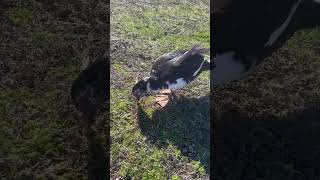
[189, 69]
[177, 61]
[165, 58]
[192, 63]
[162, 62]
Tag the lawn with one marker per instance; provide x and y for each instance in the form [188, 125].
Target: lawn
[43, 47]
[149, 142]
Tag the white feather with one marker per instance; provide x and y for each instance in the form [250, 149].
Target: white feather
[180, 83]
[227, 68]
[195, 73]
[276, 34]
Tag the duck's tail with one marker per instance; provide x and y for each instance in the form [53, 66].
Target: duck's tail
[198, 49]
[208, 65]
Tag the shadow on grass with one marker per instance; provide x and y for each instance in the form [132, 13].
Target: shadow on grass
[185, 123]
[267, 147]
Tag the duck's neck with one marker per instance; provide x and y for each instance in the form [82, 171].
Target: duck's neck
[155, 86]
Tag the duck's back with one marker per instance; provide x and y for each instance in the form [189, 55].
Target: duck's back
[165, 69]
[165, 59]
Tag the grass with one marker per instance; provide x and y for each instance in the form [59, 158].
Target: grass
[42, 47]
[149, 142]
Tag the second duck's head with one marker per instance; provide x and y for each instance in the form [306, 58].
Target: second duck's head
[140, 89]
[145, 86]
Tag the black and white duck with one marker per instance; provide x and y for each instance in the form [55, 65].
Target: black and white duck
[172, 71]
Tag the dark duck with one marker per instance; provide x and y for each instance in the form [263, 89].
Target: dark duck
[89, 90]
[89, 94]
[246, 31]
[173, 71]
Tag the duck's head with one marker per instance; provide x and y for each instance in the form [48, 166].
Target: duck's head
[140, 89]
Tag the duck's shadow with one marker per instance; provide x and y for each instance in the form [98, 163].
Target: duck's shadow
[184, 123]
[268, 146]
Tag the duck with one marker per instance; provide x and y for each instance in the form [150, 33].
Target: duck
[171, 72]
[89, 91]
[245, 32]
